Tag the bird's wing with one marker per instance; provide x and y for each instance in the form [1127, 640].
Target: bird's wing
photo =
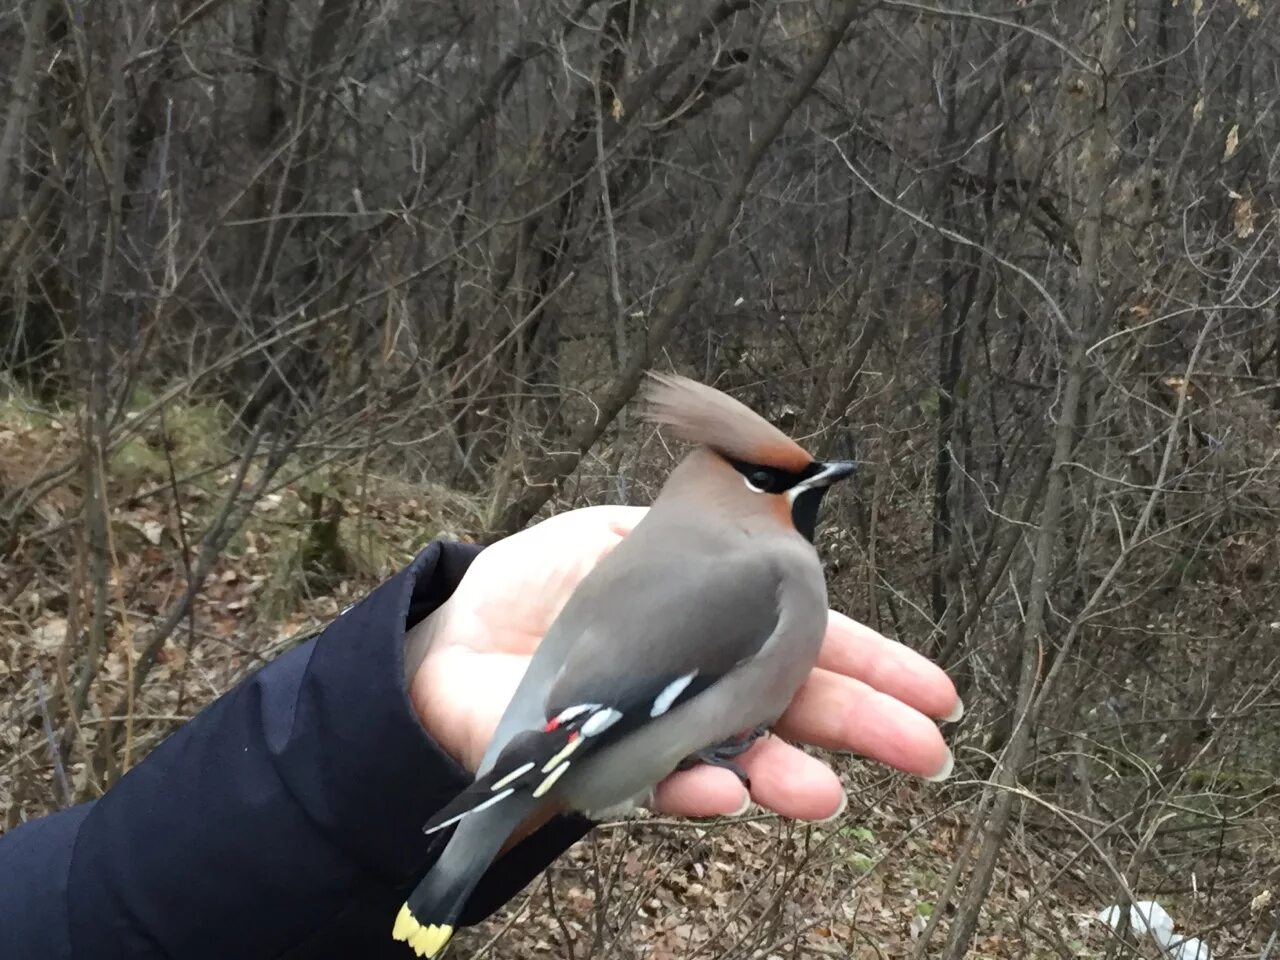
[672, 630]
[624, 593]
[662, 619]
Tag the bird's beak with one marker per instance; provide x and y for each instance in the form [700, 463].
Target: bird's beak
[832, 471]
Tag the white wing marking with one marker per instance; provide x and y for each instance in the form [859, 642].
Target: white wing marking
[601, 721]
[663, 701]
[498, 798]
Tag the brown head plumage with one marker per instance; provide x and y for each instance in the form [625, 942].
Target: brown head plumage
[701, 414]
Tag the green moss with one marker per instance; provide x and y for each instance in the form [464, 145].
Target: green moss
[197, 434]
[194, 434]
[19, 410]
[135, 460]
[861, 862]
[141, 398]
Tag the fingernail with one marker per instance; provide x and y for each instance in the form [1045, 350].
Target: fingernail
[945, 771]
[746, 805]
[839, 812]
[956, 712]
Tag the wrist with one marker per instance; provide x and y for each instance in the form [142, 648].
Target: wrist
[434, 699]
[422, 649]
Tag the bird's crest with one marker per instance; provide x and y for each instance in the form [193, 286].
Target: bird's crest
[701, 414]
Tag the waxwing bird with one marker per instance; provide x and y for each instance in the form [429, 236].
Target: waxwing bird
[683, 644]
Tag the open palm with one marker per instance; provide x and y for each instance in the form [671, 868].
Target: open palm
[868, 694]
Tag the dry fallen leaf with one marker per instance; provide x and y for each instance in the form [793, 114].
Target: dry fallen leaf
[1233, 142]
[1242, 217]
[50, 636]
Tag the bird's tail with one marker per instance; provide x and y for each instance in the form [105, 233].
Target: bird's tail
[427, 920]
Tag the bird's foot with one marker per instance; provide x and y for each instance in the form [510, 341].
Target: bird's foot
[724, 753]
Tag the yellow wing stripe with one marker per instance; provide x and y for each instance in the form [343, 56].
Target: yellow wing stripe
[546, 784]
[515, 774]
[568, 748]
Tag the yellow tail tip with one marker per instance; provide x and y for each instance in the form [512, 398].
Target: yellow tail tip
[426, 941]
[406, 926]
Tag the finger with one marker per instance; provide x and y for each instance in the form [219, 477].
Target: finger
[858, 651]
[792, 783]
[701, 791]
[783, 779]
[840, 713]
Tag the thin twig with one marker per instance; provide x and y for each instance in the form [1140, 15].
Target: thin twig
[55, 754]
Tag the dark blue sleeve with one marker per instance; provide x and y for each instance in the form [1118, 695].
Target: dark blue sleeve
[283, 821]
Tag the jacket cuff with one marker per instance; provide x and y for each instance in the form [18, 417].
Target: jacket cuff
[367, 772]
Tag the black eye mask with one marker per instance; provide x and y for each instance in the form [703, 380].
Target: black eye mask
[774, 480]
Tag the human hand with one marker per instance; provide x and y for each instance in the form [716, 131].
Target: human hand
[868, 694]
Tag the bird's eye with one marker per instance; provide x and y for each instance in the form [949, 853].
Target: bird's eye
[760, 481]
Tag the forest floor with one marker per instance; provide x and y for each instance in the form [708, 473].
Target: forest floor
[862, 887]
